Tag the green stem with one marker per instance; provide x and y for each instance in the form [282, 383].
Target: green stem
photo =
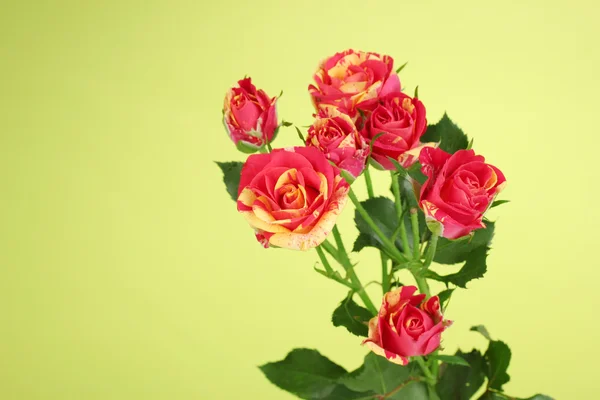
[385, 275]
[389, 246]
[324, 260]
[435, 366]
[328, 247]
[369, 183]
[431, 250]
[414, 221]
[430, 377]
[399, 214]
[345, 261]
[422, 284]
[329, 272]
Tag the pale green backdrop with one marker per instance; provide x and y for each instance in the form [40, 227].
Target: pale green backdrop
[125, 270]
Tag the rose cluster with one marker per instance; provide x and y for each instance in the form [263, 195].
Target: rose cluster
[360, 115]
[292, 197]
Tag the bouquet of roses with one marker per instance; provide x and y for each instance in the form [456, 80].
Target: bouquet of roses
[440, 192]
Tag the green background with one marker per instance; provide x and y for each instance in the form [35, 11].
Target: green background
[125, 270]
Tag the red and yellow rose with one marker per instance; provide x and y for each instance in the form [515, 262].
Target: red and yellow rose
[408, 325]
[291, 197]
[334, 134]
[249, 116]
[397, 124]
[460, 187]
[353, 80]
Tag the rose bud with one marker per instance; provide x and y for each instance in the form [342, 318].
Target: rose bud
[408, 325]
[397, 123]
[335, 135]
[291, 197]
[353, 80]
[249, 116]
[460, 187]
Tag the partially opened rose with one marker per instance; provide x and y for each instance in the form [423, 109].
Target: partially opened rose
[408, 325]
[334, 134]
[291, 197]
[353, 80]
[402, 121]
[249, 116]
[460, 187]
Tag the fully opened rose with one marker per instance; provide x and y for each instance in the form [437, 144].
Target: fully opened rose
[460, 187]
[336, 136]
[396, 124]
[291, 197]
[408, 325]
[353, 80]
[249, 116]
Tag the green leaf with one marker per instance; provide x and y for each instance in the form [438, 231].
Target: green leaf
[459, 382]
[470, 146]
[383, 213]
[449, 359]
[450, 136]
[416, 174]
[300, 135]
[499, 203]
[309, 375]
[346, 175]
[364, 240]
[498, 358]
[372, 142]
[247, 148]
[416, 96]
[402, 172]
[481, 329]
[232, 171]
[456, 251]
[352, 316]
[474, 268]
[286, 123]
[400, 68]
[378, 376]
[444, 297]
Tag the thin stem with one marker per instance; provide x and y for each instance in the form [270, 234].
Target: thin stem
[385, 275]
[390, 247]
[329, 272]
[414, 221]
[369, 183]
[398, 204]
[430, 377]
[345, 261]
[404, 238]
[421, 284]
[431, 250]
[328, 247]
[435, 365]
[324, 260]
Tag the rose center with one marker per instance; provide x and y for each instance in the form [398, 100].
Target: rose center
[239, 100]
[408, 106]
[413, 323]
[292, 196]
